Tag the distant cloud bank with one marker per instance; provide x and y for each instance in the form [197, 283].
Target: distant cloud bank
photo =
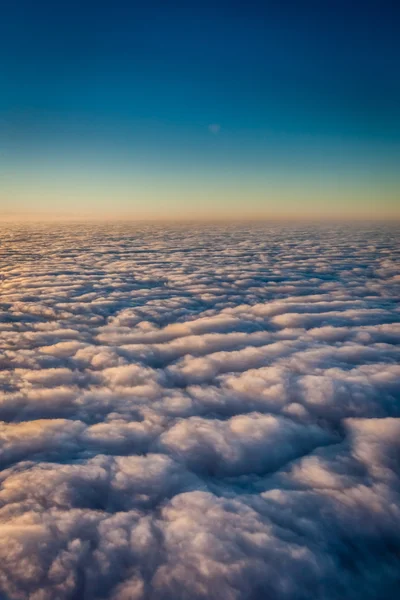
[209, 413]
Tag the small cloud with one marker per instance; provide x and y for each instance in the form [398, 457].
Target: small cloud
[214, 128]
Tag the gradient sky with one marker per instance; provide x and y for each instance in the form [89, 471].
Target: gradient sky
[200, 109]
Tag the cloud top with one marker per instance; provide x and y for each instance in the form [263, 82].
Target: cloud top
[200, 413]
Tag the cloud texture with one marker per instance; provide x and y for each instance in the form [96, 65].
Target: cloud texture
[200, 413]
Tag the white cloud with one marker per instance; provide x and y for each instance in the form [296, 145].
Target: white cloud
[199, 413]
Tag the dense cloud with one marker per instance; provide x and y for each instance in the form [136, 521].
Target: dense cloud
[199, 413]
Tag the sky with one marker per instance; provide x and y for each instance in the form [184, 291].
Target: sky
[224, 109]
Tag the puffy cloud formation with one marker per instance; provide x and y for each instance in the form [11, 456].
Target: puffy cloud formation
[199, 413]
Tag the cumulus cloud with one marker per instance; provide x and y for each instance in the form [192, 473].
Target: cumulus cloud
[199, 413]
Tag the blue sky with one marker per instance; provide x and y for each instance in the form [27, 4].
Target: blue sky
[164, 107]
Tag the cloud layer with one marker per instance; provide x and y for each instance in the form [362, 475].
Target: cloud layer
[199, 414]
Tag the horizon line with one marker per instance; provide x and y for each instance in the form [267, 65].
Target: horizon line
[129, 219]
